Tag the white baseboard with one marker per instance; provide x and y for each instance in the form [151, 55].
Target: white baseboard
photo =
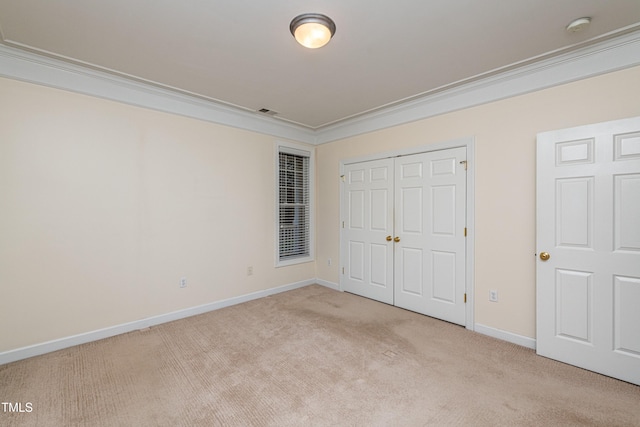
[506, 336]
[59, 344]
[328, 284]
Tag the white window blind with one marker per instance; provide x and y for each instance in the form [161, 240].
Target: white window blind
[295, 210]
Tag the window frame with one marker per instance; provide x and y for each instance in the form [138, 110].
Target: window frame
[309, 152]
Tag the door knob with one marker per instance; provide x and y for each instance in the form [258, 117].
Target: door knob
[396, 239]
[388, 238]
[544, 256]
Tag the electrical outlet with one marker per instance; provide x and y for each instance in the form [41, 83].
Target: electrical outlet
[493, 295]
[250, 271]
[183, 282]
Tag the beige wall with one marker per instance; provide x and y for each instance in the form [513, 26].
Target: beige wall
[104, 206]
[505, 135]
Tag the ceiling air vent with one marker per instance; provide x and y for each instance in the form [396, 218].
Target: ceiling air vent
[267, 112]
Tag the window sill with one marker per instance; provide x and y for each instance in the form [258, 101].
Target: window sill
[294, 261]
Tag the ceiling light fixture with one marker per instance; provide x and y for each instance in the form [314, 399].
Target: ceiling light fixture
[312, 30]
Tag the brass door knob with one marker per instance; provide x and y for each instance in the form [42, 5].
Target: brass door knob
[544, 256]
[396, 239]
[388, 238]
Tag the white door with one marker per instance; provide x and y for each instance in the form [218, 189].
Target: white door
[588, 223]
[403, 232]
[367, 244]
[430, 194]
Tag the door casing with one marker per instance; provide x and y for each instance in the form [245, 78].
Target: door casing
[469, 144]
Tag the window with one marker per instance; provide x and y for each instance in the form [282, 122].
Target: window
[294, 211]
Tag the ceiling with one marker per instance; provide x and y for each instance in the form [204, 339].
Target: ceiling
[240, 52]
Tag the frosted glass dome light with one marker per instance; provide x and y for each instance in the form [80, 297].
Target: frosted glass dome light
[312, 30]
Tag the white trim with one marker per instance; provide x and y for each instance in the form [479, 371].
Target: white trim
[599, 58]
[33, 68]
[444, 145]
[62, 343]
[59, 344]
[301, 150]
[327, 284]
[612, 55]
[469, 144]
[471, 233]
[506, 336]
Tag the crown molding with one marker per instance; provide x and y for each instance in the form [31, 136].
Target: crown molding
[601, 58]
[611, 55]
[34, 68]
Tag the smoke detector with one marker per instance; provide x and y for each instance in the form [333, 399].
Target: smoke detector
[578, 25]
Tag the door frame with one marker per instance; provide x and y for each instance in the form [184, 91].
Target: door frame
[469, 144]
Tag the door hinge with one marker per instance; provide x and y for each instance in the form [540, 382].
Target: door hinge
[342, 270]
[342, 178]
[465, 298]
[342, 224]
[465, 232]
[464, 162]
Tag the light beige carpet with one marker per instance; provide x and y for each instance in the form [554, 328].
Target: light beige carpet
[311, 356]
